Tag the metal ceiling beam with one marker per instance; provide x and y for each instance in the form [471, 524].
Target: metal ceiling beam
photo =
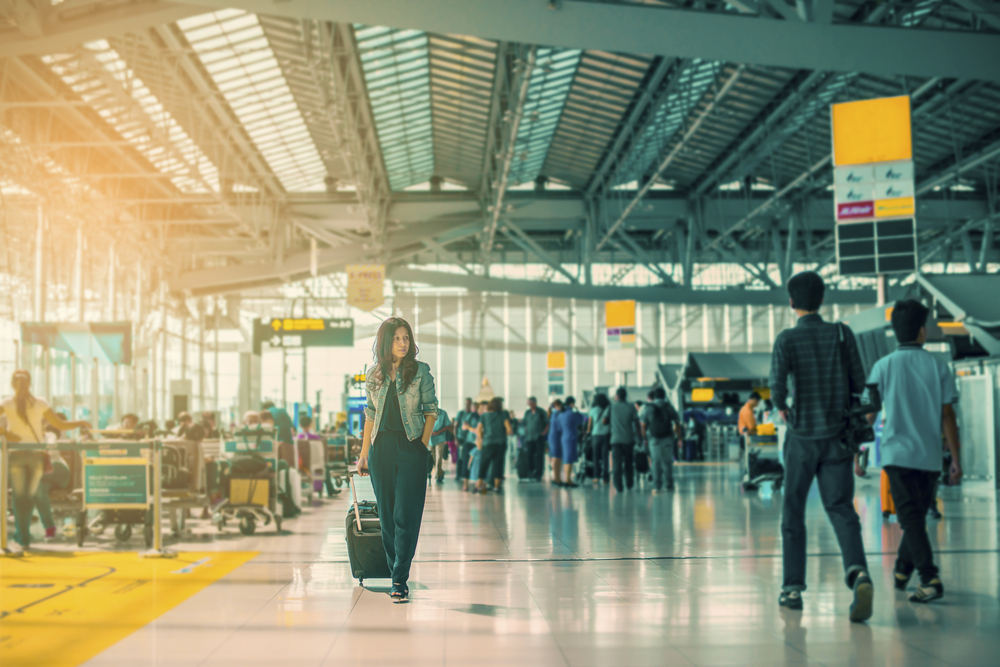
[651, 96]
[676, 295]
[991, 152]
[517, 235]
[65, 25]
[510, 143]
[674, 152]
[801, 105]
[238, 277]
[640, 28]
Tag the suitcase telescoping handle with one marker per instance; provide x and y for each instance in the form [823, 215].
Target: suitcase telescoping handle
[354, 495]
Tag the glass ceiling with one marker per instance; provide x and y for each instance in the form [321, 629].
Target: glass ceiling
[157, 135]
[396, 65]
[233, 48]
[694, 82]
[547, 90]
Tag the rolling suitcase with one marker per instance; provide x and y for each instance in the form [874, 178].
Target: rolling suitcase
[364, 539]
[523, 462]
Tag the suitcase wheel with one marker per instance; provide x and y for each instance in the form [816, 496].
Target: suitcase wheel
[247, 525]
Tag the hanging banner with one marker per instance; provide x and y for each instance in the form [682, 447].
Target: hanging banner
[619, 341]
[364, 285]
[556, 365]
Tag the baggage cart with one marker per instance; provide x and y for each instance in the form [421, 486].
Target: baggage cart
[761, 462]
[251, 485]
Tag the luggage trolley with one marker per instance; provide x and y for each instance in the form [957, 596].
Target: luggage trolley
[118, 480]
[761, 462]
[337, 461]
[251, 485]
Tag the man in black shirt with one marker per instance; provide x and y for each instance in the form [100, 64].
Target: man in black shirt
[809, 355]
[536, 427]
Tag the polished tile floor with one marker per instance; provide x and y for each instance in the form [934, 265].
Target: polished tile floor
[587, 577]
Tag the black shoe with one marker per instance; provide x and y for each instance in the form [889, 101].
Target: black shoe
[932, 590]
[791, 600]
[864, 592]
[900, 579]
[935, 512]
[670, 487]
[440, 480]
[571, 485]
[399, 593]
[555, 483]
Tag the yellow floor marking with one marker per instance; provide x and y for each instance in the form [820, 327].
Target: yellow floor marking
[60, 610]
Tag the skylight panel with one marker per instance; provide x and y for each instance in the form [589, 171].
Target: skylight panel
[233, 48]
[396, 66]
[548, 87]
[692, 86]
[146, 124]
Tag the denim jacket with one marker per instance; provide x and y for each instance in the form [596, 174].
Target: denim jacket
[416, 402]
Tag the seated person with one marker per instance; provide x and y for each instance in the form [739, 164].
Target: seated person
[184, 422]
[209, 424]
[251, 418]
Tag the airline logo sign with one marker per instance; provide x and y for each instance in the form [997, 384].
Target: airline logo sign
[854, 193]
[884, 189]
[856, 211]
[364, 285]
[895, 208]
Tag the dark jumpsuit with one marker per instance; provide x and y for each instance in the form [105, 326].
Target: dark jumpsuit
[398, 469]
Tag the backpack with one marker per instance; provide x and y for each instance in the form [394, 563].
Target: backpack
[659, 423]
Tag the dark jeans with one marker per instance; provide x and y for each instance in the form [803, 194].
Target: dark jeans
[913, 493]
[602, 449]
[622, 461]
[661, 459]
[536, 456]
[26, 469]
[491, 461]
[399, 475]
[464, 452]
[57, 479]
[833, 468]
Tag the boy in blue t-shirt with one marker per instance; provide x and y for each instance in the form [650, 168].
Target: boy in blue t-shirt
[918, 393]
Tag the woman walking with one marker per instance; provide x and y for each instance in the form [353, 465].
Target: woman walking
[26, 419]
[491, 438]
[399, 420]
[600, 438]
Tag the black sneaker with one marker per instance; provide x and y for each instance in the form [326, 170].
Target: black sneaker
[864, 592]
[571, 485]
[791, 600]
[932, 590]
[935, 512]
[900, 579]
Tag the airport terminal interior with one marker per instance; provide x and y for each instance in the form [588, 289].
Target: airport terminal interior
[499, 332]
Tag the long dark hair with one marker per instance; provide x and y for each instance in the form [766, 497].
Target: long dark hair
[20, 381]
[601, 401]
[382, 353]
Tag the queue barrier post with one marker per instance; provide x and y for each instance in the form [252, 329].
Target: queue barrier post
[157, 551]
[4, 459]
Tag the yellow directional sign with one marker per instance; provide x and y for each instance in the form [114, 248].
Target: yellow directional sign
[304, 332]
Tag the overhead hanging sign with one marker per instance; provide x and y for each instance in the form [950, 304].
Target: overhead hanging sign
[874, 191]
[109, 342]
[365, 284]
[556, 366]
[619, 336]
[294, 332]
